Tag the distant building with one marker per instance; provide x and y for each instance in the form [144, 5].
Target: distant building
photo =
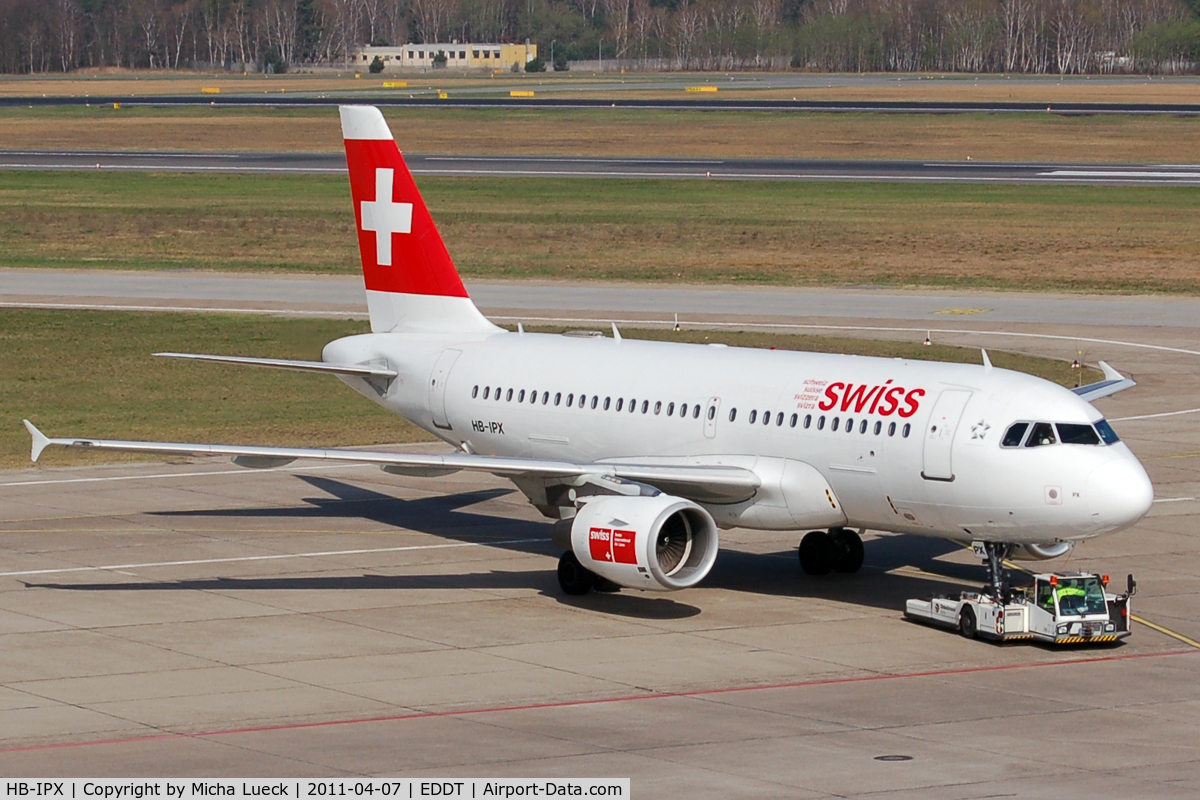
[459, 55]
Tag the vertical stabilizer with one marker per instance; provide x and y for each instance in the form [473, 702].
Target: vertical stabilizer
[412, 285]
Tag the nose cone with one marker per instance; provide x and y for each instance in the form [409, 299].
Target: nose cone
[1119, 494]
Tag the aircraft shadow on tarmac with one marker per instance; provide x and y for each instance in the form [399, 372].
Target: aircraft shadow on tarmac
[777, 574]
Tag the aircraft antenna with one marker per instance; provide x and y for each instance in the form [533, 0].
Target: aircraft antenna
[987, 362]
[616, 333]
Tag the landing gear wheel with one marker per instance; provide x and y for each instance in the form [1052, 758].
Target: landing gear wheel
[847, 548]
[573, 577]
[967, 624]
[816, 553]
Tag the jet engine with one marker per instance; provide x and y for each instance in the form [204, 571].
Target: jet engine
[1041, 552]
[659, 543]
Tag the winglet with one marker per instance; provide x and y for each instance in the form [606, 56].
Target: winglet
[1110, 374]
[987, 362]
[40, 440]
[616, 333]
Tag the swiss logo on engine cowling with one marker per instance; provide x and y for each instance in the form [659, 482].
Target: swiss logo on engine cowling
[600, 544]
[613, 546]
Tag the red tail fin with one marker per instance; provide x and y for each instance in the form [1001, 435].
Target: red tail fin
[411, 282]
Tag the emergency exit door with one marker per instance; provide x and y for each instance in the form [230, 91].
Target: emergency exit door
[437, 387]
[939, 436]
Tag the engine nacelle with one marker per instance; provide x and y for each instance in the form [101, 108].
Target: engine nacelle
[1041, 552]
[660, 543]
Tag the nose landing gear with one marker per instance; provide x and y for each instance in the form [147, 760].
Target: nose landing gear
[836, 550]
[994, 554]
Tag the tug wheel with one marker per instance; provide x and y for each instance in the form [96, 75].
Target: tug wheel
[968, 626]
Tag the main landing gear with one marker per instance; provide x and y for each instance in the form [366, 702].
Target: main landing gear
[836, 550]
[576, 579]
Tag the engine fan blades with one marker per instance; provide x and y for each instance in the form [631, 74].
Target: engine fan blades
[672, 545]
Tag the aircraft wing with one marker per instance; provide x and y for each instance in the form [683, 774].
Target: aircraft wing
[358, 370]
[723, 483]
[1113, 382]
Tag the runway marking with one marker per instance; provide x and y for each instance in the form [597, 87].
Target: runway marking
[1155, 416]
[273, 557]
[1166, 631]
[238, 471]
[165, 168]
[698, 693]
[1080, 173]
[1173, 499]
[191, 309]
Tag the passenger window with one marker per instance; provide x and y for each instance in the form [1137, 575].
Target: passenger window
[821, 422]
[792, 421]
[906, 430]
[570, 400]
[521, 397]
[508, 396]
[862, 426]
[1014, 434]
[607, 400]
[849, 424]
[1106, 432]
[1077, 434]
[834, 425]
[712, 412]
[753, 416]
[545, 398]
[696, 411]
[582, 400]
[1042, 433]
[487, 392]
[475, 392]
[766, 418]
[620, 403]
[779, 419]
[807, 421]
[658, 406]
[670, 409]
[497, 392]
[557, 398]
[891, 429]
[878, 427]
[645, 406]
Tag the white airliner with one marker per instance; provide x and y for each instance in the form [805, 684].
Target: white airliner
[645, 449]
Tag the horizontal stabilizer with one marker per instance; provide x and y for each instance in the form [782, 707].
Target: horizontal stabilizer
[731, 483]
[359, 370]
[1113, 382]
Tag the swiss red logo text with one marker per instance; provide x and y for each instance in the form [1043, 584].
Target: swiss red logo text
[883, 399]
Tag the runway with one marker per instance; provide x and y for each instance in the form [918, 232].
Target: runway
[329, 295]
[599, 167]
[478, 98]
[190, 618]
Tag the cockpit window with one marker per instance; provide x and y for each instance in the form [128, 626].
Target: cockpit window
[1042, 433]
[1014, 434]
[1106, 432]
[1070, 433]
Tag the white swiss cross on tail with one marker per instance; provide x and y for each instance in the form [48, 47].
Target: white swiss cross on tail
[384, 217]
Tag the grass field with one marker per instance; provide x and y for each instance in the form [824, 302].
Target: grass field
[91, 374]
[623, 132]
[1101, 239]
[657, 85]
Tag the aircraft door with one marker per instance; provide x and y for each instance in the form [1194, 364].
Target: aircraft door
[712, 409]
[939, 437]
[437, 387]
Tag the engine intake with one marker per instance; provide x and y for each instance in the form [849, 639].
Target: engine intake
[661, 543]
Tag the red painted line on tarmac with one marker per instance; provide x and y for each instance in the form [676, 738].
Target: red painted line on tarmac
[596, 701]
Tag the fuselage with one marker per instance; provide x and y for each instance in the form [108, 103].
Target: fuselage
[906, 446]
